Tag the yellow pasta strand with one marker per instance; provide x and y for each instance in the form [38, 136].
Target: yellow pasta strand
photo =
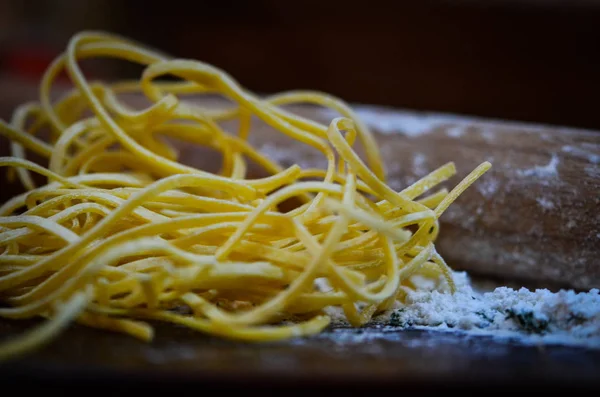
[123, 232]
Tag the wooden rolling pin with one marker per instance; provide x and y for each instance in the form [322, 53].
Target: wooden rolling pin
[533, 217]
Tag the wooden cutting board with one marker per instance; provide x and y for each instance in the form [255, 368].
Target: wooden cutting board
[533, 218]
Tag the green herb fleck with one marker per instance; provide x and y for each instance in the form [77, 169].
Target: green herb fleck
[527, 321]
[484, 316]
[396, 319]
[577, 318]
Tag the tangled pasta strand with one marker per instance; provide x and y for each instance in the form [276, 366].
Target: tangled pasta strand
[122, 232]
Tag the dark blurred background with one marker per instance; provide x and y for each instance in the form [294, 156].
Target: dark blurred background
[528, 60]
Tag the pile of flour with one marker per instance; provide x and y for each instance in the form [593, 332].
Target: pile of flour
[540, 316]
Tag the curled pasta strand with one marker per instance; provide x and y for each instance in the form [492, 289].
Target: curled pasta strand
[122, 232]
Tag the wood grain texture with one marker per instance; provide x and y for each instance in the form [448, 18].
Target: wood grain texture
[533, 217]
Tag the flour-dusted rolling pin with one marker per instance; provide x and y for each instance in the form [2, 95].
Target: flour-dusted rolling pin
[533, 217]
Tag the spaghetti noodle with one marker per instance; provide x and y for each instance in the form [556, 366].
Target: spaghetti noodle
[122, 233]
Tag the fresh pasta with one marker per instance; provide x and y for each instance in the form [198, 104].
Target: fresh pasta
[122, 233]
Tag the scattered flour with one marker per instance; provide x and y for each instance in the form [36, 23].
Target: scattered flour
[415, 123]
[593, 171]
[538, 317]
[549, 170]
[408, 123]
[488, 135]
[419, 167]
[456, 132]
[593, 158]
[488, 187]
[545, 203]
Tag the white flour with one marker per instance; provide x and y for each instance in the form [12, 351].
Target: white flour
[408, 123]
[549, 170]
[411, 123]
[488, 187]
[538, 317]
[591, 156]
[419, 164]
[545, 203]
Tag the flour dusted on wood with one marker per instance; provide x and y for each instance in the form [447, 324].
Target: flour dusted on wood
[539, 316]
[549, 170]
[407, 123]
[545, 203]
[591, 155]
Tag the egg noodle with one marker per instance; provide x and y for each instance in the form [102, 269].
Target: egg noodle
[121, 234]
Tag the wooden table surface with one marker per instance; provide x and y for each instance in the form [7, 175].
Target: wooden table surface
[343, 359]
